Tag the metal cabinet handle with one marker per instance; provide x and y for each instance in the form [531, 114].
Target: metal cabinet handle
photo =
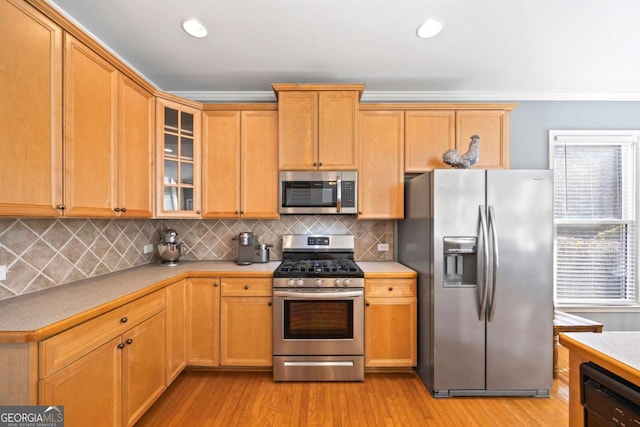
[215, 285]
[270, 303]
[367, 303]
[198, 212]
[320, 164]
[390, 288]
[246, 287]
[129, 341]
[121, 346]
[123, 209]
[123, 320]
[61, 207]
[116, 209]
[315, 164]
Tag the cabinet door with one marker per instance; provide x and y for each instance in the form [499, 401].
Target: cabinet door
[493, 128]
[176, 329]
[428, 134]
[178, 160]
[259, 153]
[381, 170]
[30, 112]
[298, 130]
[144, 374]
[203, 322]
[135, 147]
[337, 125]
[390, 332]
[89, 388]
[246, 331]
[90, 89]
[221, 164]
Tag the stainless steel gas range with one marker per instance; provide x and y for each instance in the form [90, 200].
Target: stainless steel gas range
[318, 310]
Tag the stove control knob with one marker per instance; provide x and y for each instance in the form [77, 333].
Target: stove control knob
[319, 282]
[290, 282]
[346, 282]
[299, 282]
[336, 282]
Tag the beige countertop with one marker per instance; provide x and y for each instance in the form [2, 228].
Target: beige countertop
[30, 317]
[621, 349]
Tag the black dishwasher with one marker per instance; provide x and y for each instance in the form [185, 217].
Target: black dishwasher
[608, 399]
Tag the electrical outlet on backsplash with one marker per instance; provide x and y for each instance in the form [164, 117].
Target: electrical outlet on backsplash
[43, 253]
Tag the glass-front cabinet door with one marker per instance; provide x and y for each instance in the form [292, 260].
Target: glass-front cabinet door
[178, 154]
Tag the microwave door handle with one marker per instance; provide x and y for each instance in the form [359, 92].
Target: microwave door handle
[339, 194]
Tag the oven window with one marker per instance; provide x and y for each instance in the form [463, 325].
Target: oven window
[318, 319]
[309, 194]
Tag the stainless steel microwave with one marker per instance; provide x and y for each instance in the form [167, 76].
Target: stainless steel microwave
[318, 192]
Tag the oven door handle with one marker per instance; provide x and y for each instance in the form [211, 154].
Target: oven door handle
[318, 295]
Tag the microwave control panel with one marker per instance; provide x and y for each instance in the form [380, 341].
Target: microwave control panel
[348, 194]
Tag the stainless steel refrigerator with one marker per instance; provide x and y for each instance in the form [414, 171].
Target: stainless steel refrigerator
[481, 242]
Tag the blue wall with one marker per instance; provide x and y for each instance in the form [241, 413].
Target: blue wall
[530, 123]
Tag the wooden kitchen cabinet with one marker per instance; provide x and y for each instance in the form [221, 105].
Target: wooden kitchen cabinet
[381, 167]
[246, 322]
[110, 369]
[203, 321]
[90, 118]
[240, 163]
[176, 329]
[493, 128]
[428, 135]
[136, 118]
[178, 146]
[317, 126]
[390, 323]
[30, 112]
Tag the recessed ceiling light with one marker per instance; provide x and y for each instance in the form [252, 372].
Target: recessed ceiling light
[194, 28]
[429, 28]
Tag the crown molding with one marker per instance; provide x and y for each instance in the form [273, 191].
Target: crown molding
[417, 96]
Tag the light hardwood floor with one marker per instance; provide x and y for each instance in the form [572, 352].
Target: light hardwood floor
[218, 398]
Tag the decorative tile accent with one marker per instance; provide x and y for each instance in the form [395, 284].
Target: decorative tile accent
[43, 253]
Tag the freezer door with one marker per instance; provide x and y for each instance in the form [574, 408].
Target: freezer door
[457, 332]
[520, 326]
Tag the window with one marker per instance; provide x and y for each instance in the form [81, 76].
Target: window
[595, 186]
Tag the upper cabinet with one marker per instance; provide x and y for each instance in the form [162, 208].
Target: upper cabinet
[30, 112]
[90, 117]
[381, 176]
[136, 114]
[432, 129]
[492, 126]
[317, 126]
[177, 159]
[240, 162]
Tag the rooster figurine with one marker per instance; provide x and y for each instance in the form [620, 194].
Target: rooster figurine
[464, 161]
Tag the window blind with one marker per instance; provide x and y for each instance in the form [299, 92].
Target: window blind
[594, 218]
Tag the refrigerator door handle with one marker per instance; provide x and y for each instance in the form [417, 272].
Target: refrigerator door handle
[496, 261]
[485, 264]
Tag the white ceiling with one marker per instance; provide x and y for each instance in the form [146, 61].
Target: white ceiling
[489, 49]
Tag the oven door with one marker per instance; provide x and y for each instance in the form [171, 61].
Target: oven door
[318, 322]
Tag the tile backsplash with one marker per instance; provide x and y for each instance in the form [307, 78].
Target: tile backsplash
[42, 253]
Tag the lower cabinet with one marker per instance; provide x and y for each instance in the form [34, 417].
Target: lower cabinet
[390, 323]
[245, 322]
[203, 321]
[113, 384]
[176, 329]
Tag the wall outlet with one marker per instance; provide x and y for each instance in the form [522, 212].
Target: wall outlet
[383, 247]
[3, 272]
[148, 249]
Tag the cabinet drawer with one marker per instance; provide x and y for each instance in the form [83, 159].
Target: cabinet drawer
[390, 287]
[62, 349]
[246, 287]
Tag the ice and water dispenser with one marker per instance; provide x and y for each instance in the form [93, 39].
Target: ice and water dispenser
[460, 261]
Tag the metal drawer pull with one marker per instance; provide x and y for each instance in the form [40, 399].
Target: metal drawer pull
[129, 341]
[123, 320]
